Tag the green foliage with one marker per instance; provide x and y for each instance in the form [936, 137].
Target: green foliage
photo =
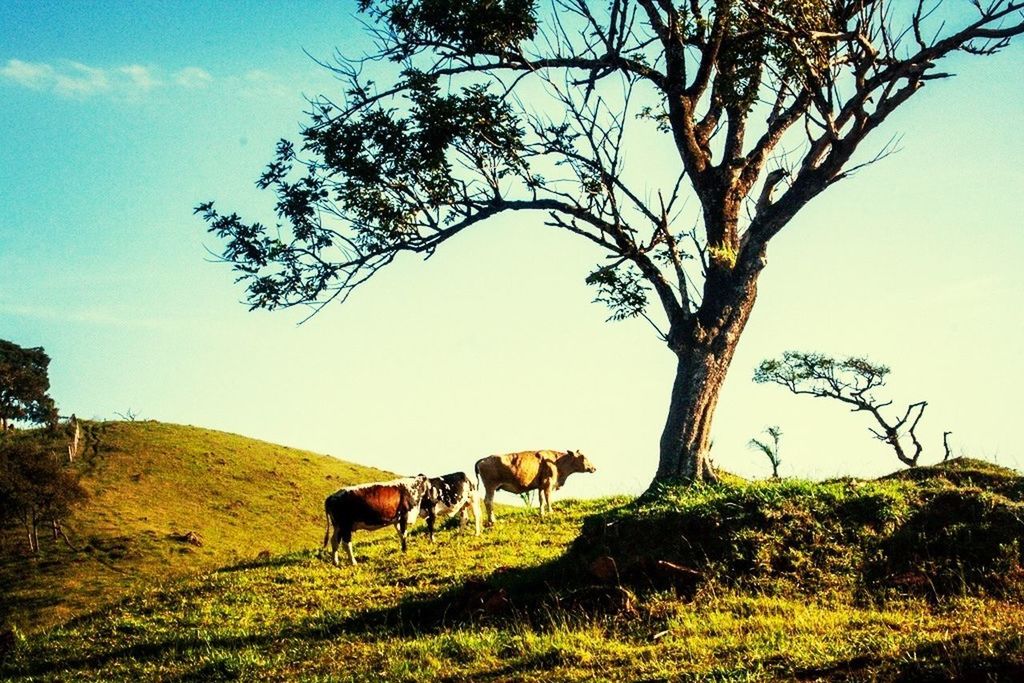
[620, 288]
[380, 169]
[474, 26]
[820, 373]
[770, 450]
[24, 383]
[750, 46]
[723, 254]
[934, 533]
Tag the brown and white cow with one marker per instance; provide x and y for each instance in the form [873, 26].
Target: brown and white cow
[449, 495]
[541, 471]
[373, 506]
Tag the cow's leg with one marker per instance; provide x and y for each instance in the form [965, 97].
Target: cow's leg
[463, 513]
[489, 504]
[541, 492]
[547, 494]
[431, 518]
[342, 534]
[402, 527]
[474, 506]
[462, 518]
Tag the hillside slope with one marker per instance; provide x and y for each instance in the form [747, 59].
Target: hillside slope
[150, 484]
[467, 608]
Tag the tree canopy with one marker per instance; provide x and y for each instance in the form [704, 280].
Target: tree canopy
[24, 383]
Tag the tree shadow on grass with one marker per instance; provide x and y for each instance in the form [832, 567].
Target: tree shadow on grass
[506, 595]
[268, 561]
[961, 658]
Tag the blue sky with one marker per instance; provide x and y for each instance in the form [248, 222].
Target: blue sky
[120, 117]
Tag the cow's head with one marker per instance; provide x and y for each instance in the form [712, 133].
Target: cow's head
[419, 486]
[580, 463]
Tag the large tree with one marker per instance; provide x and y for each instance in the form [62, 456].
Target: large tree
[24, 383]
[468, 109]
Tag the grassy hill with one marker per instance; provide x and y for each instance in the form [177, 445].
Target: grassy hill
[784, 588]
[936, 531]
[150, 484]
[467, 608]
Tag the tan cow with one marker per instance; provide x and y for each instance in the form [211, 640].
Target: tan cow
[541, 471]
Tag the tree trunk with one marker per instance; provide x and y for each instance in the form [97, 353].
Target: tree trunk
[73, 446]
[686, 439]
[33, 535]
[704, 356]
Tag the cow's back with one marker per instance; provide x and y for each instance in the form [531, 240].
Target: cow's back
[515, 472]
[369, 506]
[450, 489]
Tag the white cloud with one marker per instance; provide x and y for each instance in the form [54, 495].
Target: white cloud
[141, 77]
[192, 77]
[79, 80]
[75, 80]
[259, 84]
[87, 315]
[28, 74]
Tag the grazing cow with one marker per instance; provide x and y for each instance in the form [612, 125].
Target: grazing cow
[541, 471]
[450, 495]
[373, 506]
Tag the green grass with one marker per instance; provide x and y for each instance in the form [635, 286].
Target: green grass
[518, 603]
[951, 529]
[149, 481]
[296, 616]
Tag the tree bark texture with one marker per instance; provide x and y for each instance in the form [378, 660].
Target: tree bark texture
[704, 353]
[686, 438]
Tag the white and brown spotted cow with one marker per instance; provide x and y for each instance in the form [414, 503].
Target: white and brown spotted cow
[541, 471]
[373, 506]
[450, 495]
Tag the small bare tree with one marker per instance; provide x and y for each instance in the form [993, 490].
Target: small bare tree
[128, 415]
[850, 380]
[771, 450]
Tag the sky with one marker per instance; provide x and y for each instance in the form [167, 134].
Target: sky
[119, 118]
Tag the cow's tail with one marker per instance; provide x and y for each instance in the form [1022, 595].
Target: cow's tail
[327, 514]
[476, 468]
